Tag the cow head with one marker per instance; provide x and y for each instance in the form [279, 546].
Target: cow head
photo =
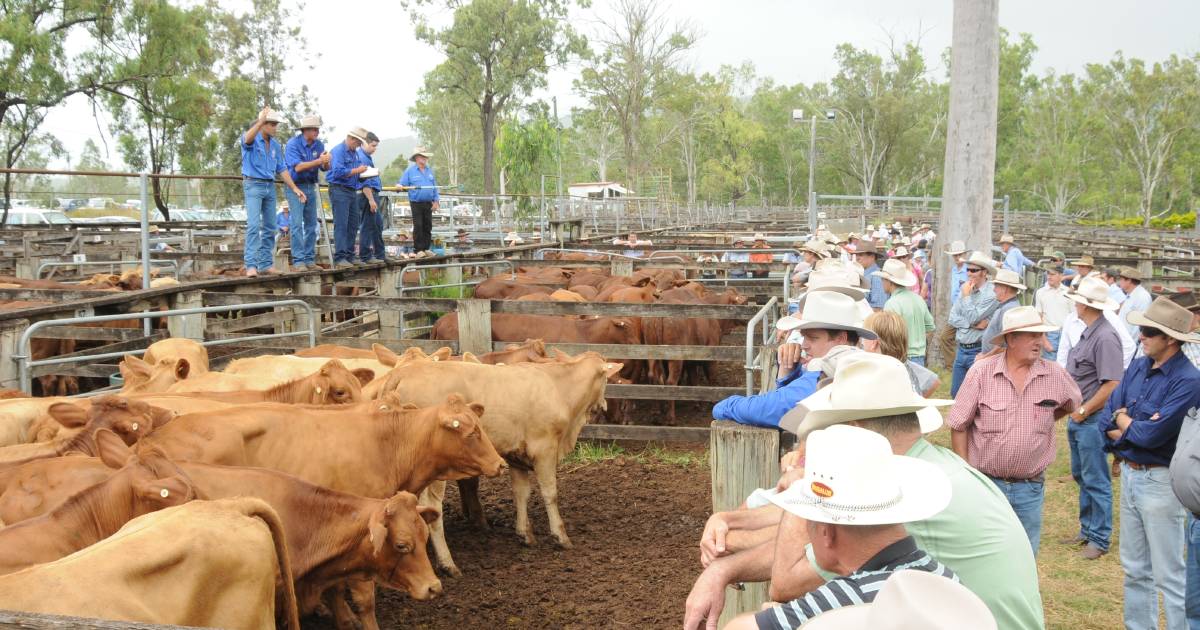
[143, 377]
[129, 419]
[153, 481]
[460, 441]
[396, 534]
[333, 384]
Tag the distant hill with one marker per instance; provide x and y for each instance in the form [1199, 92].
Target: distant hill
[391, 148]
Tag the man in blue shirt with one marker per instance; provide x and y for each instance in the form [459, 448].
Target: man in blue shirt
[370, 237]
[958, 273]
[305, 156]
[1014, 259]
[970, 315]
[262, 160]
[868, 256]
[344, 169]
[1141, 424]
[423, 197]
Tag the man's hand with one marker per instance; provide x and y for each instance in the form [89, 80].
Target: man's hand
[706, 601]
[301, 196]
[789, 355]
[372, 205]
[792, 459]
[436, 205]
[982, 325]
[712, 541]
[790, 477]
[262, 115]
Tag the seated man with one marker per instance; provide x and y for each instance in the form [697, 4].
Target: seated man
[851, 476]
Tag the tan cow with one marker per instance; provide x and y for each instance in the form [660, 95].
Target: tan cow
[222, 382]
[50, 428]
[131, 420]
[177, 348]
[333, 351]
[288, 367]
[203, 563]
[17, 415]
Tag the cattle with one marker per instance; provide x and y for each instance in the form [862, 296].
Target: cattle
[646, 294]
[139, 376]
[333, 351]
[551, 328]
[537, 297]
[203, 563]
[332, 384]
[585, 291]
[176, 348]
[17, 415]
[131, 420]
[535, 414]
[48, 427]
[503, 289]
[531, 351]
[53, 384]
[564, 295]
[290, 367]
[144, 483]
[222, 382]
[8, 393]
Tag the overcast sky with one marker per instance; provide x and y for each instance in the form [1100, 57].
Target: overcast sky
[372, 80]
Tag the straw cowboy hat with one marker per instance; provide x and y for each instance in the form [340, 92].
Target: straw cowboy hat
[358, 133]
[273, 117]
[957, 248]
[870, 227]
[1086, 261]
[979, 260]
[890, 390]
[866, 246]
[311, 121]
[912, 599]
[1130, 272]
[420, 151]
[896, 272]
[925, 226]
[1093, 292]
[1167, 316]
[901, 252]
[1021, 319]
[851, 477]
[1007, 238]
[828, 310]
[1009, 278]
[513, 238]
[835, 278]
[816, 247]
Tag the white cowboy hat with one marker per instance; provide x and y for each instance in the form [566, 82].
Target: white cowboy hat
[759, 236]
[1092, 291]
[828, 310]
[900, 252]
[957, 248]
[358, 133]
[896, 225]
[896, 272]
[420, 151]
[1009, 278]
[890, 390]
[273, 117]
[835, 278]
[979, 260]
[514, 238]
[912, 599]
[871, 227]
[1021, 319]
[1165, 315]
[311, 121]
[851, 477]
[817, 247]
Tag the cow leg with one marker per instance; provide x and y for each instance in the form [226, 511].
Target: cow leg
[468, 491]
[674, 374]
[432, 497]
[546, 469]
[343, 616]
[521, 493]
[362, 594]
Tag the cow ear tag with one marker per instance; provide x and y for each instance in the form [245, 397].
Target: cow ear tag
[164, 493]
[455, 424]
[318, 390]
[135, 426]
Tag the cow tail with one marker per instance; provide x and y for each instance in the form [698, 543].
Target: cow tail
[261, 509]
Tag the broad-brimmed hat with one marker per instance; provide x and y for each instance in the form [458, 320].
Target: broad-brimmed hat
[1021, 319]
[420, 151]
[1093, 292]
[851, 236]
[514, 238]
[835, 278]
[311, 121]
[1009, 278]
[866, 246]
[896, 225]
[851, 477]
[957, 248]
[1006, 238]
[870, 227]
[829, 310]
[897, 272]
[1086, 261]
[1186, 299]
[273, 117]
[816, 247]
[1129, 272]
[979, 260]
[1167, 316]
[358, 133]
[759, 236]
[924, 226]
[912, 599]
[900, 252]
[737, 239]
[461, 232]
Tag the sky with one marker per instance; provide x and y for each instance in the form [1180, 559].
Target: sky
[373, 81]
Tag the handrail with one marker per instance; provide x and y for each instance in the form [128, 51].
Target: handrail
[24, 364]
[764, 315]
[108, 263]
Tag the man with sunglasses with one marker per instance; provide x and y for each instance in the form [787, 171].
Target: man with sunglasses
[1141, 425]
[970, 315]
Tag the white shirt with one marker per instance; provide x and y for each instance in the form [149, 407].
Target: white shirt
[1138, 300]
[1073, 328]
[1116, 293]
[1053, 304]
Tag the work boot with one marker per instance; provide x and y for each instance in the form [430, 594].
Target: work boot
[251, 272]
[1077, 539]
[1091, 552]
[299, 268]
[342, 266]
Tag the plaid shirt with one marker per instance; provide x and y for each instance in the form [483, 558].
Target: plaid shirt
[1011, 435]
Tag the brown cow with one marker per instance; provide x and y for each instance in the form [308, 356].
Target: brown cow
[333, 384]
[645, 294]
[504, 289]
[131, 420]
[588, 293]
[537, 297]
[176, 348]
[333, 351]
[550, 328]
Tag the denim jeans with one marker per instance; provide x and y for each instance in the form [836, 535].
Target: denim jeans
[1089, 467]
[345, 222]
[1152, 542]
[304, 223]
[963, 360]
[370, 235]
[260, 224]
[1026, 497]
[1192, 600]
[1052, 337]
[918, 360]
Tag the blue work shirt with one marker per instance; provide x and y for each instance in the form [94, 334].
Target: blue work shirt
[1016, 260]
[1158, 400]
[261, 159]
[877, 297]
[298, 151]
[996, 324]
[423, 180]
[958, 275]
[374, 183]
[341, 161]
[766, 410]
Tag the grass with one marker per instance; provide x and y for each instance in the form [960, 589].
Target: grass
[587, 453]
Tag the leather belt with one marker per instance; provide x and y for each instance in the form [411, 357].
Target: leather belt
[258, 179]
[1137, 466]
[1040, 478]
[971, 346]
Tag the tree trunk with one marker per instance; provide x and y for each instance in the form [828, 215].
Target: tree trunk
[487, 119]
[970, 167]
[159, 201]
[7, 198]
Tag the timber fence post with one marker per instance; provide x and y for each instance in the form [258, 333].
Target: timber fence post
[474, 326]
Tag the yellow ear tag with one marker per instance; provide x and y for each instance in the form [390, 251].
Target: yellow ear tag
[135, 426]
[455, 424]
[164, 493]
[318, 391]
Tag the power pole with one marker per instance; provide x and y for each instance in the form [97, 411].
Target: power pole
[558, 145]
[812, 174]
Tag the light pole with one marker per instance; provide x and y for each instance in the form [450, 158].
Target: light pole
[798, 116]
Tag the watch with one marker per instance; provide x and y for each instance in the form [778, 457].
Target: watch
[1082, 411]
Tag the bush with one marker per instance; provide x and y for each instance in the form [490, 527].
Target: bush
[1182, 220]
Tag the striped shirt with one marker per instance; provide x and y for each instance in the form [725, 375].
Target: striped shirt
[860, 587]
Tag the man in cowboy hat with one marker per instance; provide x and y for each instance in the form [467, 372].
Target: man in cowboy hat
[913, 599]
[418, 179]
[1051, 301]
[1003, 416]
[867, 255]
[739, 243]
[1007, 287]
[262, 160]
[1136, 297]
[1014, 259]
[1140, 424]
[977, 534]
[344, 169]
[306, 157]
[760, 242]
[971, 314]
[1084, 267]
[898, 281]
[462, 241]
[854, 499]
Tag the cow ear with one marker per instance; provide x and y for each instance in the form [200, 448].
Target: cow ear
[134, 366]
[364, 375]
[539, 346]
[68, 415]
[611, 369]
[377, 532]
[469, 357]
[641, 282]
[561, 356]
[428, 514]
[385, 355]
[680, 283]
[182, 369]
[455, 399]
[165, 492]
[477, 408]
[112, 449]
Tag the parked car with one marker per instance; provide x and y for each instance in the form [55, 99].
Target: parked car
[37, 216]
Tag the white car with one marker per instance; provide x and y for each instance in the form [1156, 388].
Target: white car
[37, 216]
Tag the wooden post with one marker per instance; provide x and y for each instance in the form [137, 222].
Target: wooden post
[1145, 265]
[474, 326]
[743, 458]
[622, 267]
[187, 326]
[308, 285]
[389, 286]
[10, 333]
[27, 268]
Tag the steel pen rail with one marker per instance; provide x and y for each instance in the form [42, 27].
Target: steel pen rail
[111, 264]
[758, 362]
[401, 289]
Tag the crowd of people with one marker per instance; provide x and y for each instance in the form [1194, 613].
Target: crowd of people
[866, 506]
[354, 195]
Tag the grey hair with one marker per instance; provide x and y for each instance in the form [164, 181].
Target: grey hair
[892, 426]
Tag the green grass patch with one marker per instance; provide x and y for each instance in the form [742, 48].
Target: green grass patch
[590, 452]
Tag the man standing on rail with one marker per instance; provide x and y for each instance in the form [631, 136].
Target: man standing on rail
[1014, 258]
[262, 160]
[343, 196]
[419, 181]
[306, 156]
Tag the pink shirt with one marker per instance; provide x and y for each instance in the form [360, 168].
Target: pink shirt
[1010, 435]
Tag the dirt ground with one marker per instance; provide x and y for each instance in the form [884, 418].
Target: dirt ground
[635, 528]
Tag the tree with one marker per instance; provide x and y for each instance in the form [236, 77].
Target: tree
[596, 140]
[446, 120]
[1054, 147]
[729, 169]
[497, 52]
[525, 153]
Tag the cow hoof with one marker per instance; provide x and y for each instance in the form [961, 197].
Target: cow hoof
[527, 539]
[563, 543]
[481, 523]
[451, 570]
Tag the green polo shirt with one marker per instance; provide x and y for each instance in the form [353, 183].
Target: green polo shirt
[917, 318]
[979, 537]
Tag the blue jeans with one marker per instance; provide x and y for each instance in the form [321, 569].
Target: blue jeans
[963, 360]
[260, 224]
[304, 223]
[1192, 600]
[1025, 497]
[1089, 467]
[370, 235]
[1152, 542]
[345, 222]
[918, 360]
[1052, 337]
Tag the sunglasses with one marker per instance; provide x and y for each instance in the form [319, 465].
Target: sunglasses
[973, 270]
[1150, 333]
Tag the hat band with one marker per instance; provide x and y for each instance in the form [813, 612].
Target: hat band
[831, 507]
